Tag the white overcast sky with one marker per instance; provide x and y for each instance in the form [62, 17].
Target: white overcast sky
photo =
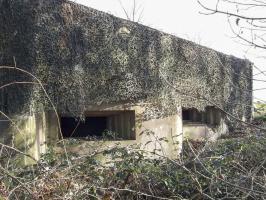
[182, 18]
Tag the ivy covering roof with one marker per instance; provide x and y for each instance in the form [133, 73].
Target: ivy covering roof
[86, 57]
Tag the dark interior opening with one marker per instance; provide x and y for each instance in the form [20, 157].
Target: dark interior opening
[91, 126]
[186, 115]
[112, 125]
[210, 116]
[193, 115]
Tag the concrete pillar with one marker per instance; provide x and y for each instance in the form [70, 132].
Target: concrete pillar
[52, 128]
[41, 132]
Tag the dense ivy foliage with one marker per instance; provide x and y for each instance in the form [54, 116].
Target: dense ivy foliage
[85, 57]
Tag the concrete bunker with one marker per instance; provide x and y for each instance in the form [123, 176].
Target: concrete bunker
[91, 67]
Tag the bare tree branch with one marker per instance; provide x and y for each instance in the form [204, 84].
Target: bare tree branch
[213, 11]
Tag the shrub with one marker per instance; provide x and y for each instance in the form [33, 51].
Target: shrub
[227, 169]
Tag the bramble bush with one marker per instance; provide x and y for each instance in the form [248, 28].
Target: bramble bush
[229, 168]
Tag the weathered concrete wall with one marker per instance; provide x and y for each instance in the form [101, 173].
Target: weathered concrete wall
[196, 131]
[30, 134]
[33, 134]
[22, 133]
[162, 136]
[208, 125]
